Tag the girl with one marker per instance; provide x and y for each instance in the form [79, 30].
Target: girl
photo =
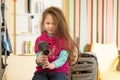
[54, 31]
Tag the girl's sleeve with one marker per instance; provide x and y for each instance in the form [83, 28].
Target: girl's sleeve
[61, 59]
[37, 55]
[36, 50]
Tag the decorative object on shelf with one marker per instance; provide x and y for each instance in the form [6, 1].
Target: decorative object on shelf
[27, 47]
[29, 6]
[33, 25]
[34, 6]
[30, 46]
[40, 6]
[32, 21]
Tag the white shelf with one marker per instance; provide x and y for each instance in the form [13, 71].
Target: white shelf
[25, 34]
[27, 54]
[28, 14]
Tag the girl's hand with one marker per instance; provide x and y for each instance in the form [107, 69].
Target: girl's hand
[48, 65]
[41, 59]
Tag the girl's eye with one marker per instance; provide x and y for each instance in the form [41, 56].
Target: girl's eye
[47, 23]
[53, 23]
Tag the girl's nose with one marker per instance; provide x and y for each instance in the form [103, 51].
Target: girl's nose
[51, 25]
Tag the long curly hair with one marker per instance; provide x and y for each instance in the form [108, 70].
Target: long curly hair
[62, 30]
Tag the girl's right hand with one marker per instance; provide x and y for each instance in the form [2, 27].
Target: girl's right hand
[41, 59]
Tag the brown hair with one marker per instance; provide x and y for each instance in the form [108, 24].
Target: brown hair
[62, 27]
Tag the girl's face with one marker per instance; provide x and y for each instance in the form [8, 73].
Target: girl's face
[49, 24]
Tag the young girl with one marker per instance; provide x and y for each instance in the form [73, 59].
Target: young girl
[54, 31]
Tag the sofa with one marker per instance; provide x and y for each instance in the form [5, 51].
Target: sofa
[107, 57]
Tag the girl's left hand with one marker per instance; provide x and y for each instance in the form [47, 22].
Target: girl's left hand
[48, 65]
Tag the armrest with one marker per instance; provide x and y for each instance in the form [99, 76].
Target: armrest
[114, 64]
[118, 66]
